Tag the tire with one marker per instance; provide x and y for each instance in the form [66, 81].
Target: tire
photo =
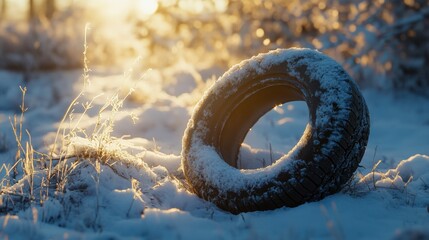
[324, 159]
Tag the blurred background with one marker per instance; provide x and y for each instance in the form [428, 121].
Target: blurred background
[382, 43]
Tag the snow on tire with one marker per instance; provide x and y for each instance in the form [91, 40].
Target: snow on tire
[325, 157]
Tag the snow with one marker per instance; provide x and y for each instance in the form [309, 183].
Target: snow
[410, 174]
[138, 191]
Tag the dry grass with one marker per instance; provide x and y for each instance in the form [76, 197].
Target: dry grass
[46, 174]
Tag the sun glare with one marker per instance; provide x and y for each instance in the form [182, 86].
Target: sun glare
[147, 7]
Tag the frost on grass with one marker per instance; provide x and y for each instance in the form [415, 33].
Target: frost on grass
[411, 174]
[103, 183]
[89, 179]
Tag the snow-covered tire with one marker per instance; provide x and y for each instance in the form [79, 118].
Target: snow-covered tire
[324, 159]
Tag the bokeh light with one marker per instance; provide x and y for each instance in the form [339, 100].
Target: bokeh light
[376, 41]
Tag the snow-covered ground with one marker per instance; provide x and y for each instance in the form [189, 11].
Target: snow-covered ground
[138, 192]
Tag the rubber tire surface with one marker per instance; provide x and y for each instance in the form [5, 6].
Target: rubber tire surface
[326, 156]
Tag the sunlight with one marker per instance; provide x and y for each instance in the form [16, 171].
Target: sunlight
[147, 7]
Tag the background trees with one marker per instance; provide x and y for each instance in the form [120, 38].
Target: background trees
[383, 44]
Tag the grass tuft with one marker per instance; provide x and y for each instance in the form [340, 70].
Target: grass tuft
[36, 177]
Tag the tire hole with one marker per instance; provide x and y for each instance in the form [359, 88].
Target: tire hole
[273, 135]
